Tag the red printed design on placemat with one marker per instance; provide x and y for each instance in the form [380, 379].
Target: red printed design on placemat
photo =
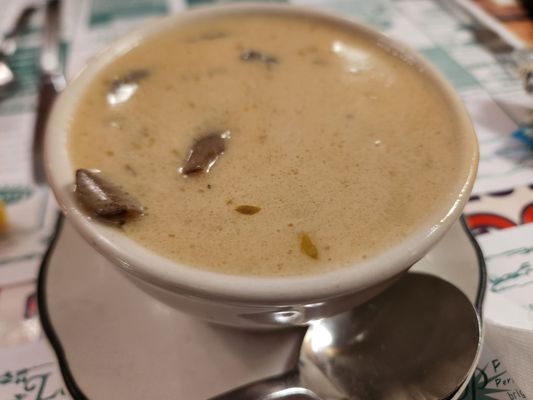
[527, 214]
[484, 222]
[500, 210]
[30, 310]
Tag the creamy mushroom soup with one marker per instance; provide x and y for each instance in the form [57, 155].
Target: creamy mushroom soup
[267, 145]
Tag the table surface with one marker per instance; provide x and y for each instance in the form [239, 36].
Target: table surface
[499, 212]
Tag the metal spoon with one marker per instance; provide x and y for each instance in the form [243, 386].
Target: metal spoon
[51, 82]
[9, 45]
[417, 340]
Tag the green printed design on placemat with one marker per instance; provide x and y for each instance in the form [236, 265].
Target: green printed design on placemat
[14, 194]
[32, 383]
[489, 381]
[459, 76]
[25, 66]
[514, 279]
[377, 13]
[104, 11]
[192, 3]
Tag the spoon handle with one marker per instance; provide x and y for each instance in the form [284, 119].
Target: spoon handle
[287, 385]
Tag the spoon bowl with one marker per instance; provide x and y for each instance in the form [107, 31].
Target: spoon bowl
[418, 340]
[6, 75]
[8, 46]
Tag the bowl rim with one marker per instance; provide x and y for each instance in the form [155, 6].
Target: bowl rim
[150, 267]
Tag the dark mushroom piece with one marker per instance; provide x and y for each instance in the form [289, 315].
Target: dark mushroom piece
[254, 55]
[104, 199]
[122, 88]
[204, 153]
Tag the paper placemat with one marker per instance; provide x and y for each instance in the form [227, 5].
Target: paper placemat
[498, 212]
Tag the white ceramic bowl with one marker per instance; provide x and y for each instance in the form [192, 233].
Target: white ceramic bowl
[255, 302]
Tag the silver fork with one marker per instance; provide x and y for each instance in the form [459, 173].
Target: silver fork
[9, 45]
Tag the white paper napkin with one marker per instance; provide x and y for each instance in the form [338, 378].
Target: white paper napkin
[509, 330]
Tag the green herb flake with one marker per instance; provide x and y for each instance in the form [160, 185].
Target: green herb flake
[307, 246]
[248, 210]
